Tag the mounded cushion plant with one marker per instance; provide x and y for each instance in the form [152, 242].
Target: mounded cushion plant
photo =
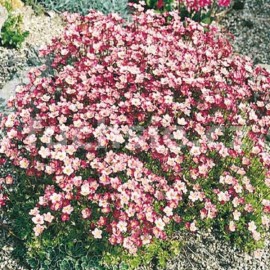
[135, 131]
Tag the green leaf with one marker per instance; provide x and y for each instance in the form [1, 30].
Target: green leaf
[207, 20]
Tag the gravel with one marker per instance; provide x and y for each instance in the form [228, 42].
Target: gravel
[251, 28]
[204, 251]
[41, 30]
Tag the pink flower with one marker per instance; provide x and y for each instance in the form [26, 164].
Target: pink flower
[232, 226]
[224, 3]
[9, 180]
[65, 217]
[160, 4]
[3, 199]
[38, 229]
[38, 219]
[193, 227]
[34, 211]
[48, 217]
[86, 213]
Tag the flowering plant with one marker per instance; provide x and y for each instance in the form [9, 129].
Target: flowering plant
[141, 129]
[199, 10]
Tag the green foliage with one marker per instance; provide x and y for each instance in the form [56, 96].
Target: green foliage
[83, 6]
[155, 254]
[11, 35]
[65, 246]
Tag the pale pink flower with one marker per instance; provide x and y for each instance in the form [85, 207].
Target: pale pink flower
[38, 229]
[193, 227]
[252, 226]
[48, 217]
[232, 226]
[85, 189]
[38, 219]
[160, 224]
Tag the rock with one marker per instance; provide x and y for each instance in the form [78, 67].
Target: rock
[9, 88]
[12, 61]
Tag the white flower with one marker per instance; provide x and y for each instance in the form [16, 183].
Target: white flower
[232, 226]
[97, 233]
[256, 236]
[34, 211]
[258, 253]
[85, 189]
[160, 224]
[266, 221]
[24, 163]
[252, 226]
[44, 152]
[193, 227]
[178, 135]
[67, 209]
[168, 211]
[122, 226]
[49, 131]
[236, 215]
[195, 151]
[55, 198]
[68, 170]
